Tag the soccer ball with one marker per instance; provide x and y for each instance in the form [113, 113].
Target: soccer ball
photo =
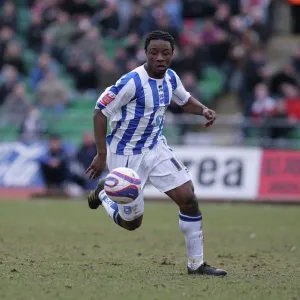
[122, 185]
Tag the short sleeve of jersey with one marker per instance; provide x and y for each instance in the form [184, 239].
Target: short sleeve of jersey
[180, 95]
[116, 96]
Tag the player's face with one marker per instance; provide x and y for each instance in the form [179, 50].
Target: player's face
[159, 57]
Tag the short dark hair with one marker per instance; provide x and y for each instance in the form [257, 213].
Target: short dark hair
[159, 35]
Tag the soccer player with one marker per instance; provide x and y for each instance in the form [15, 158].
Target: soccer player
[136, 107]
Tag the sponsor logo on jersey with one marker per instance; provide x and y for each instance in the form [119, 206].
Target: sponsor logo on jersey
[108, 98]
[161, 98]
[157, 121]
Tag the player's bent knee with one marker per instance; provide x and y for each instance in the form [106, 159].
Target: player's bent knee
[132, 225]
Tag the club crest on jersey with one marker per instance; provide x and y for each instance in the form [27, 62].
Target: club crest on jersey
[127, 210]
[108, 98]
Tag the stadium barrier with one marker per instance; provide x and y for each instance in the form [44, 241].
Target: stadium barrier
[219, 173]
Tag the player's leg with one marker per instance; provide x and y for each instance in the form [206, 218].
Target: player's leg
[127, 216]
[190, 223]
[171, 177]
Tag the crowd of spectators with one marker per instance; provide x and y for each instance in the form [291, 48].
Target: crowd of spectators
[57, 52]
[274, 97]
[71, 35]
[62, 168]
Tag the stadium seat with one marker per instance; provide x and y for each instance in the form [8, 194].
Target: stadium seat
[20, 3]
[211, 84]
[23, 19]
[9, 133]
[111, 45]
[29, 58]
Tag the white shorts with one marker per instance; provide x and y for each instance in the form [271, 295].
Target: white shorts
[159, 166]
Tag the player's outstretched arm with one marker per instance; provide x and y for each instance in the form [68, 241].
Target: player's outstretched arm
[195, 107]
[99, 162]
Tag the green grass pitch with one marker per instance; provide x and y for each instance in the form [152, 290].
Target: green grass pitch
[63, 250]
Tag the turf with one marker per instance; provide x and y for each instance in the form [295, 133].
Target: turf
[62, 250]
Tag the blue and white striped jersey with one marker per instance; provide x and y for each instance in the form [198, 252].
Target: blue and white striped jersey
[136, 107]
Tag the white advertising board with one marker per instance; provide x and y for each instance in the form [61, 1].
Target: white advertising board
[219, 172]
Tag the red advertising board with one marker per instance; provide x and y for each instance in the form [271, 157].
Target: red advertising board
[280, 175]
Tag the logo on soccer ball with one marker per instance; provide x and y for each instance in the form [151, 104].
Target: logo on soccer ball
[108, 98]
[123, 185]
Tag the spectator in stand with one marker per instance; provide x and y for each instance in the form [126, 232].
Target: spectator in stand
[295, 16]
[63, 30]
[33, 126]
[262, 5]
[132, 44]
[209, 32]
[295, 61]
[38, 73]
[16, 106]
[264, 105]
[199, 9]
[87, 150]
[6, 35]
[136, 19]
[35, 32]
[236, 29]
[49, 46]
[259, 26]
[189, 61]
[49, 10]
[189, 81]
[131, 64]
[219, 49]
[107, 17]
[268, 110]
[174, 11]
[9, 77]
[263, 109]
[89, 45]
[8, 15]
[52, 95]
[255, 72]
[158, 18]
[222, 16]
[85, 155]
[292, 102]
[107, 71]
[12, 56]
[86, 78]
[120, 58]
[72, 62]
[77, 7]
[283, 76]
[55, 165]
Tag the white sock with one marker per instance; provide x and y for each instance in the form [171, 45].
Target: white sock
[191, 227]
[133, 210]
[127, 212]
[110, 206]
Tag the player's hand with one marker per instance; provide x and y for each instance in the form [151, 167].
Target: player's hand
[210, 116]
[97, 166]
